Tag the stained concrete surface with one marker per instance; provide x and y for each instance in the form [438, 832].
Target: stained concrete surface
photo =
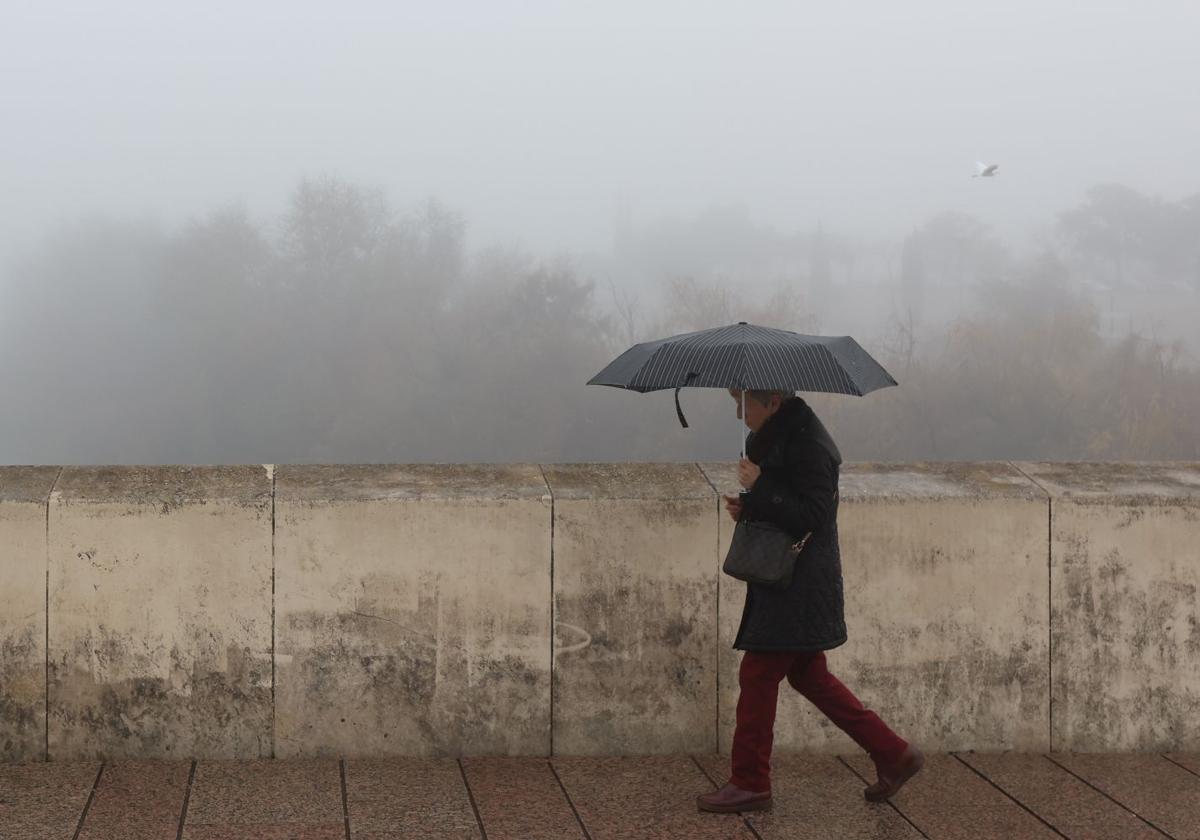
[423, 610]
[412, 609]
[820, 796]
[1125, 596]
[160, 612]
[24, 492]
[635, 599]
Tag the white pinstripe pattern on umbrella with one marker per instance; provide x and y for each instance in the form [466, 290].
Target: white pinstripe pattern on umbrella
[748, 356]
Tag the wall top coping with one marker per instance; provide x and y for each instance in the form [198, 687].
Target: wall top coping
[27, 483]
[1083, 481]
[928, 480]
[628, 481]
[245, 484]
[381, 482]
[1091, 480]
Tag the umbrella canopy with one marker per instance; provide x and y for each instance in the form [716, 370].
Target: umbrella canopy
[746, 357]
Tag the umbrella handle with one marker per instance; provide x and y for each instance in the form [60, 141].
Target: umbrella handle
[687, 380]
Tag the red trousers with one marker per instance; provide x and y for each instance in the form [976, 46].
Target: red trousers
[759, 678]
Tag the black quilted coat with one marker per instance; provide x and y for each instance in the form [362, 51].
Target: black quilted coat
[798, 492]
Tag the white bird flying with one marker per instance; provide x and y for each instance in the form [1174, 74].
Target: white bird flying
[983, 170]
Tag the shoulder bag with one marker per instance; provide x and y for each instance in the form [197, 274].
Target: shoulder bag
[763, 553]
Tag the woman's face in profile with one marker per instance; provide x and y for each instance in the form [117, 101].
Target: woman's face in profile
[756, 412]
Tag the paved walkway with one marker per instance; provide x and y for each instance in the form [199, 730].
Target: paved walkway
[957, 796]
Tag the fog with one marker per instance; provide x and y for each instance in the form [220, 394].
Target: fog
[411, 232]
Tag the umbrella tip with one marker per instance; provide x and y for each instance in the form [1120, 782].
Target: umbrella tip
[741, 323]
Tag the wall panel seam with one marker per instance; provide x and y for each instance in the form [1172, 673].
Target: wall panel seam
[274, 473]
[550, 493]
[1049, 604]
[46, 733]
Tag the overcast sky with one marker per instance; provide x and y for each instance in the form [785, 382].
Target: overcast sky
[538, 119]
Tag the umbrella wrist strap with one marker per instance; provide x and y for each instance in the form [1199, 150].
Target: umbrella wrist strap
[679, 410]
[687, 380]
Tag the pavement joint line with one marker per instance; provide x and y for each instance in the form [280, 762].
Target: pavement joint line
[750, 826]
[965, 758]
[983, 776]
[1106, 795]
[1180, 766]
[88, 804]
[345, 799]
[187, 797]
[700, 767]
[471, 796]
[890, 803]
[574, 810]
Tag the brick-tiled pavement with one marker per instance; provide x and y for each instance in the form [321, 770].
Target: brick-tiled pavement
[963, 795]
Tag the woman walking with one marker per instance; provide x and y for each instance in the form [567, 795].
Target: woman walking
[790, 478]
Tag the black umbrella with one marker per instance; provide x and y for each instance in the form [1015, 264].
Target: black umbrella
[746, 357]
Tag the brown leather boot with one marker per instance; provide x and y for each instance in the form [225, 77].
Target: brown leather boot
[729, 799]
[893, 778]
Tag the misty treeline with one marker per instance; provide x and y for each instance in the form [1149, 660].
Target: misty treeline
[351, 329]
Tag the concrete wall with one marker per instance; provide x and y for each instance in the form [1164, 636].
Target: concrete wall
[635, 604]
[1125, 609]
[24, 492]
[159, 596]
[412, 610]
[368, 610]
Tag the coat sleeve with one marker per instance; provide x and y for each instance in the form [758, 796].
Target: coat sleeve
[803, 498]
